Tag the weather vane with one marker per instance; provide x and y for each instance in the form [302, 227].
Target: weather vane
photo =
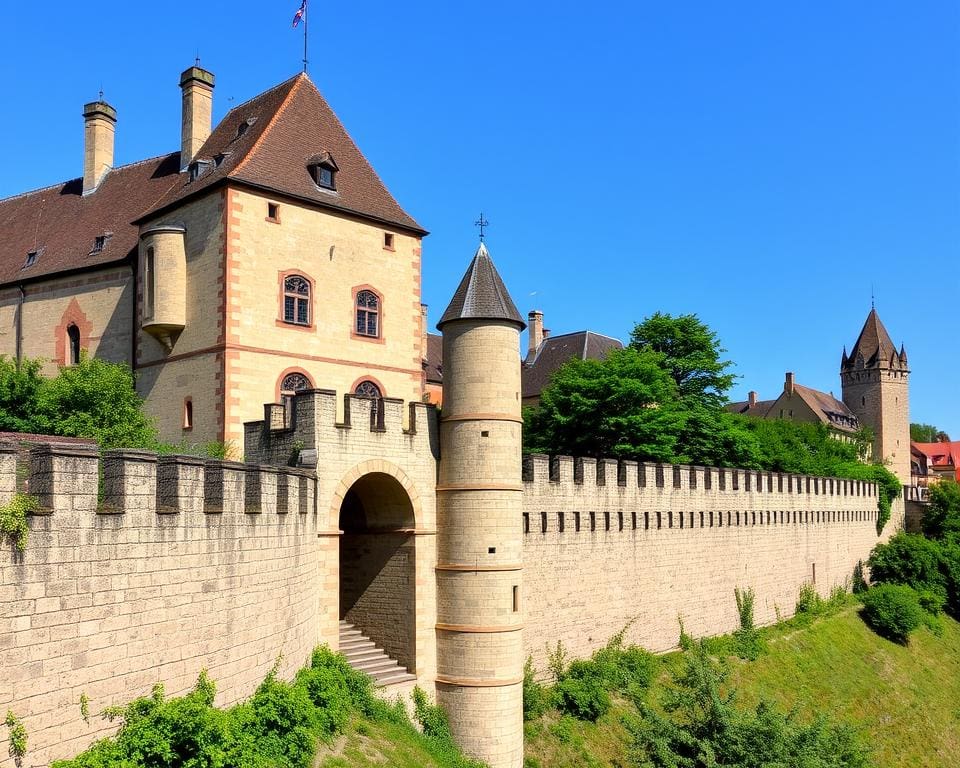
[482, 223]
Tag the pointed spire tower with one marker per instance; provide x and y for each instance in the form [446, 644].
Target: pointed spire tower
[479, 507]
[875, 382]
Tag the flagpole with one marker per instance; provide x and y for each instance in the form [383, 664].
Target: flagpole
[306, 20]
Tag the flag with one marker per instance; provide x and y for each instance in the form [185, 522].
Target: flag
[298, 16]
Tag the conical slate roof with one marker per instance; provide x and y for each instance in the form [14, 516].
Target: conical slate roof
[874, 346]
[481, 294]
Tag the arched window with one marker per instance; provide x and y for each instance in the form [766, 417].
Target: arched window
[293, 383]
[296, 300]
[73, 344]
[367, 388]
[368, 314]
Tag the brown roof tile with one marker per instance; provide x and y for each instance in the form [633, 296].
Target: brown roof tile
[758, 410]
[481, 294]
[285, 128]
[874, 346]
[433, 362]
[62, 224]
[554, 351]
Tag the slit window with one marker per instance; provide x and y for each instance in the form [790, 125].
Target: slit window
[73, 344]
[188, 414]
[149, 287]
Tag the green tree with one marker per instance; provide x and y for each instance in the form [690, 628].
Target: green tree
[623, 406]
[941, 519]
[19, 385]
[94, 399]
[691, 354]
[927, 433]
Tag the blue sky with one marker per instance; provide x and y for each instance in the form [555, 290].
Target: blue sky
[761, 164]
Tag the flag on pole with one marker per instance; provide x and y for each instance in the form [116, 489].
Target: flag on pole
[298, 16]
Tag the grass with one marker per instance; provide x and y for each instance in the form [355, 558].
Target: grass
[905, 698]
[364, 744]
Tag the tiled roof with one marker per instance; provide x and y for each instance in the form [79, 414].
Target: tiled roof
[554, 351]
[481, 294]
[940, 454]
[759, 409]
[433, 362]
[874, 346]
[831, 411]
[269, 142]
[62, 224]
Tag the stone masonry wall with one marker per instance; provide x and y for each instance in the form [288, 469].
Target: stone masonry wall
[606, 543]
[215, 567]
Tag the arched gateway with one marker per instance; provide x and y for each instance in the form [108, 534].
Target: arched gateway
[378, 564]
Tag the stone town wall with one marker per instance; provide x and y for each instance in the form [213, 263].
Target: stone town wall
[607, 542]
[213, 566]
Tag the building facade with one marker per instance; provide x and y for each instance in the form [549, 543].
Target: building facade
[263, 258]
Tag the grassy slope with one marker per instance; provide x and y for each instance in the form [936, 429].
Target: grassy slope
[907, 700]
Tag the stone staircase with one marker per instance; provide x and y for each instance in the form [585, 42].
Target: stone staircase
[364, 655]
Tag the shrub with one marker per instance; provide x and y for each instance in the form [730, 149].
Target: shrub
[699, 726]
[809, 601]
[893, 611]
[585, 698]
[747, 641]
[909, 559]
[535, 700]
[13, 519]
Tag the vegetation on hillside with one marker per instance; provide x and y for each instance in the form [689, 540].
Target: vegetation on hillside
[661, 399]
[281, 726]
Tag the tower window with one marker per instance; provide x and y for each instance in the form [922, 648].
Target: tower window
[148, 284]
[73, 344]
[188, 413]
[368, 314]
[273, 212]
[863, 400]
[296, 300]
[388, 240]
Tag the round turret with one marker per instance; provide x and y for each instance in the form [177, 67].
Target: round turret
[479, 546]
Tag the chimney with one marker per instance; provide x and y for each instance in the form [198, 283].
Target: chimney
[752, 398]
[535, 326]
[788, 384]
[197, 116]
[99, 126]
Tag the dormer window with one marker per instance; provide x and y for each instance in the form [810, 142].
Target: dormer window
[323, 169]
[100, 242]
[197, 168]
[244, 126]
[32, 257]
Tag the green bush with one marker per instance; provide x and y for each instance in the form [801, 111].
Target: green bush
[809, 601]
[583, 697]
[747, 641]
[893, 611]
[941, 519]
[535, 698]
[698, 726]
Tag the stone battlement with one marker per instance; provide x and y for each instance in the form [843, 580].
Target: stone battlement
[309, 420]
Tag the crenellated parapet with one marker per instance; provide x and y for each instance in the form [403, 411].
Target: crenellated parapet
[141, 568]
[308, 421]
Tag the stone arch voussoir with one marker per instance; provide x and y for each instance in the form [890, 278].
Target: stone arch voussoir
[374, 466]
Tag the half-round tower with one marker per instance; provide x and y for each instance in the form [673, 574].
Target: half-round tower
[876, 386]
[479, 512]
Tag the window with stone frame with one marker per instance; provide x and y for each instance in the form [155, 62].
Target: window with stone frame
[367, 388]
[73, 344]
[293, 383]
[296, 300]
[368, 314]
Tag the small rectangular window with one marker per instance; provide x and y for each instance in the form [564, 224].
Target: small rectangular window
[516, 598]
[188, 414]
[273, 212]
[148, 284]
[388, 240]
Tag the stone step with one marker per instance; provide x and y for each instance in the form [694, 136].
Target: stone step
[365, 656]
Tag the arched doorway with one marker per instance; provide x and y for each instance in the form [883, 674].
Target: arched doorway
[377, 564]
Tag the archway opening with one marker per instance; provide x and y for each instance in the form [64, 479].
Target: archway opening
[377, 564]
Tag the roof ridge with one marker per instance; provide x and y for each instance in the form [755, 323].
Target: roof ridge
[56, 184]
[257, 96]
[273, 121]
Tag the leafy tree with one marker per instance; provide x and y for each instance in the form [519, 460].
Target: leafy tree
[19, 386]
[690, 352]
[624, 405]
[941, 519]
[927, 433]
[94, 399]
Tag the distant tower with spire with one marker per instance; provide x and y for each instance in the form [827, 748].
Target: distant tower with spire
[876, 387]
